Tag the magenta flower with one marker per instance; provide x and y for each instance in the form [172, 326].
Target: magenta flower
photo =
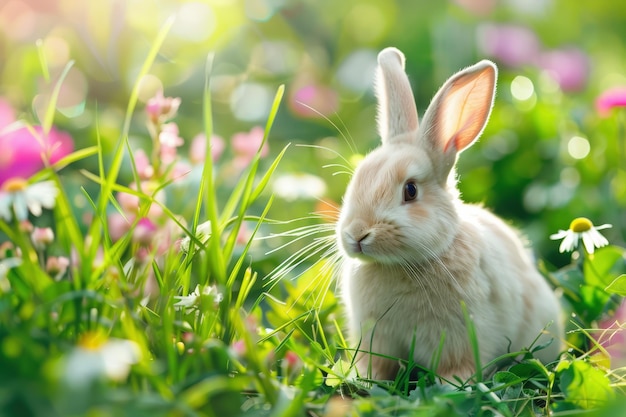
[24, 154]
[144, 232]
[614, 97]
[569, 67]
[512, 45]
[160, 108]
[245, 145]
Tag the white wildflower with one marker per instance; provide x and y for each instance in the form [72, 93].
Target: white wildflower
[97, 357]
[583, 229]
[193, 299]
[203, 233]
[17, 198]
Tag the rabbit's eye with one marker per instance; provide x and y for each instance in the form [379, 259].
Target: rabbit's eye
[410, 191]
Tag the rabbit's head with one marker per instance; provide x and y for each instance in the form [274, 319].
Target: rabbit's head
[400, 204]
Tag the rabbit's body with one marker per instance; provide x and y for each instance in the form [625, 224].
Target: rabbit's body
[423, 301]
[416, 252]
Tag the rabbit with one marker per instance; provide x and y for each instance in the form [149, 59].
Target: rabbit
[414, 253]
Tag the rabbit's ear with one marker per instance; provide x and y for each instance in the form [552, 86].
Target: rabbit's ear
[397, 114]
[460, 110]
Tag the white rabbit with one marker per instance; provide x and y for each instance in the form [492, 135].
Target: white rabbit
[414, 252]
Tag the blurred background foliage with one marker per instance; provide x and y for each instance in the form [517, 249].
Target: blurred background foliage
[546, 157]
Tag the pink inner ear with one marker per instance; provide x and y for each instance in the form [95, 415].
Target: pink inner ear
[465, 108]
[460, 140]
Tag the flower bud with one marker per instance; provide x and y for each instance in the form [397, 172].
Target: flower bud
[42, 237]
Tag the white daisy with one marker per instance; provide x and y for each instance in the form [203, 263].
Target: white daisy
[583, 229]
[203, 233]
[193, 299]
[17, 198]
[97, 357]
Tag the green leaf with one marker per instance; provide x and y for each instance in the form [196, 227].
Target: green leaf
[341, 371]
[529, 369]
[583, 385]
[618, 286]
[594, 302]
[604, 266]
[570, 277]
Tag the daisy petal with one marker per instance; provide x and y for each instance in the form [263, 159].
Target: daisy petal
[34, 207]
[20, 207]
[569, 243]
[603, 226]
[588, 242]
[560, 235]
[598, 240]
[5, 206]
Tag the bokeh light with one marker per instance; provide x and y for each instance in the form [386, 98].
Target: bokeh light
[522, 88]
[578, 147]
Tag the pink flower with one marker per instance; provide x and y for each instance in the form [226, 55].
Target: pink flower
[238, 349]
[180, 170]
[197, 149]
[478, 7]
[511, 45]
[292, 359]
[56, 266]
[614, 97]
[169, 141]
[166, 236]
[569, 67]
[613, 336]
[243, 236]
[160, 108]
[142, 163]
[144, 232]
[168, 154]
[24, 154]
[42, 237]
[131, 203]
[169, 136]
[246, 145]
[118, 225]
[314, 101]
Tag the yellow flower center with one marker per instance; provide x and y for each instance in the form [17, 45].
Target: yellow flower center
[580, 225]
[92, 340]
[15, 185]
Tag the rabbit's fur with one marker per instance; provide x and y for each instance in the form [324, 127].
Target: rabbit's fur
[415, 253]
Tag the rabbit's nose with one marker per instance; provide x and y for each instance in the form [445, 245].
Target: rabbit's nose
[359, 241]
[355, 244]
